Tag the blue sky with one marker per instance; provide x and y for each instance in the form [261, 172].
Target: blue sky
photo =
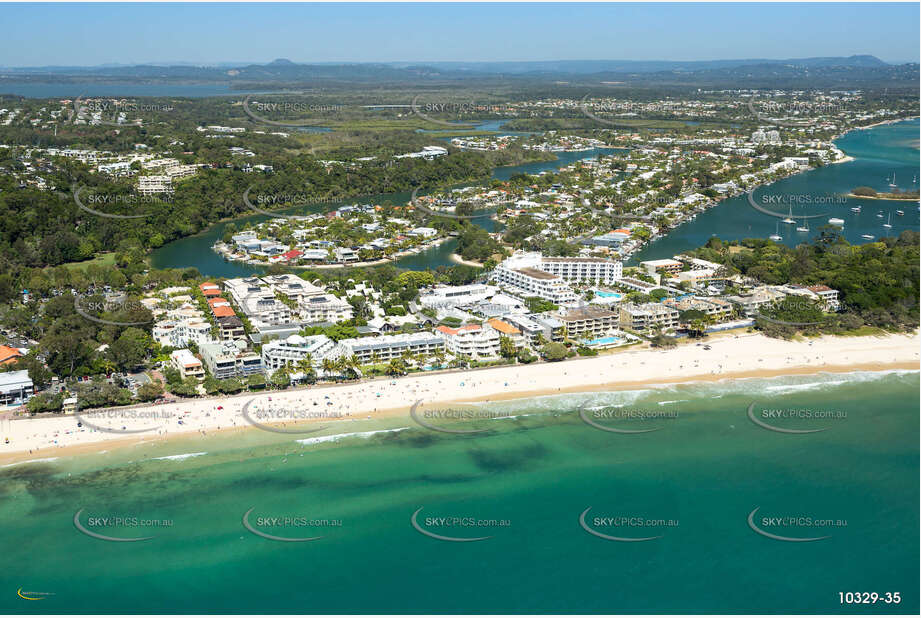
[90, 34]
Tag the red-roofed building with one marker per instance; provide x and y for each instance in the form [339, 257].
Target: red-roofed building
[292, 255]
[472, 341]
[222, 311]
[209, 289]
[8, 355]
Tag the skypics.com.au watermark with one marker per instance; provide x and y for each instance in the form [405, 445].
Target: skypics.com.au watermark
[449, 113]
[268, 418]
[139, 206]
[277, 112]
[114, 112]
[117, 522]
[278, 524]
[793, 112]
[628, 528]
[435, 419]
[466, 523]
[803, 419]
[125, 421]
[260, 201]
[88, 307]
[796, 528]
[622, 110]
[615, 419]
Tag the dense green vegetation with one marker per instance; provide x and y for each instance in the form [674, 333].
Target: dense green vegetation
[878, 282]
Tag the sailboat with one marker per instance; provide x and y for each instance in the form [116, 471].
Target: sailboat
[892, 183]
[804, 227]
[790, 218]
[776, 235]
[900, 213]
[867, 236]
[888, 221]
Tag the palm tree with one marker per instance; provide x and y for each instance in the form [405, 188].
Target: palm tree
[305, 365]
[329, 367]
[395, 367]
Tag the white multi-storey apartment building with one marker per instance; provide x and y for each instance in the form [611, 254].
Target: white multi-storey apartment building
[186, 364]
[226, 360]
[182, 332]
[294, 349]
[472, 341]
[520, 273]
[387, 347]
[646, 315]
[258, 301]
[547, 276]
[456, 295]
[583, 268]
[151, 185]
[314, 304]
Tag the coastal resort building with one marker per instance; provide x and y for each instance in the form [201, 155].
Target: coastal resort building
[15, 387]
[387, 347]
[186, 364]
[472, 341]
[230, 359]
[296, 348]
[588, 322]
[209, 289]
[9, 355]
[648, 315]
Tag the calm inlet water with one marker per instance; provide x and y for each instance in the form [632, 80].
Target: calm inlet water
[692, 484]
[879, 154]
[196, 250]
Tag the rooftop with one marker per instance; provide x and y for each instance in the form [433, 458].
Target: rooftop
[537, 274]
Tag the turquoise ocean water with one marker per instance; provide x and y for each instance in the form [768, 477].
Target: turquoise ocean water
[524, 482]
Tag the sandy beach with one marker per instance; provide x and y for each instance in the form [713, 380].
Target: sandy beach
[742, 355]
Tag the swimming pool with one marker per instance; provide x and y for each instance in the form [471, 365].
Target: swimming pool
[610, 340]
[614, 295]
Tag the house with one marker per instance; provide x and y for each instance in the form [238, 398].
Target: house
[588, 322]
[15, 387]
[297, 348]
[9, 355]
[209, 289]
[227, 360]
[186, 364]
[386, 347]
[472, 341]
[507, 330]
[648, 315]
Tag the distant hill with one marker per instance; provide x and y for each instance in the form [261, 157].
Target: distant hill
[644, 66]
[862, 71]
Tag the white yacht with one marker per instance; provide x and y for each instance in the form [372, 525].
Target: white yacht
[836, 221]
[776, 235]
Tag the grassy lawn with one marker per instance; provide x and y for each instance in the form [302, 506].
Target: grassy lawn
[106, 259]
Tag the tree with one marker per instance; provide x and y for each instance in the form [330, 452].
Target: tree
[150, 390]
[256, 380]
[554, 351]
[130, 349]
[506, 347]
[396, 367]
[186, 388]
[281, 379]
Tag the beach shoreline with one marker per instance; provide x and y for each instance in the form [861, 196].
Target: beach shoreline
[731, 357]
